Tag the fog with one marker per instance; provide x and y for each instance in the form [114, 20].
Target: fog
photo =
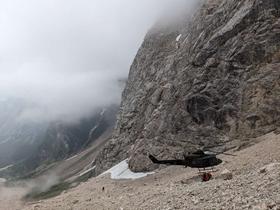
[66, 57]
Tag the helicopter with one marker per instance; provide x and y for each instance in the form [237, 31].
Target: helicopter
[198, 159]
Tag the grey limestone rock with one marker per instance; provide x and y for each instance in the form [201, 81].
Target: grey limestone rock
[219, 84]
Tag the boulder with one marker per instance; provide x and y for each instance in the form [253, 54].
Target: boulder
[261, 206]
[270, 167]
[226, 174]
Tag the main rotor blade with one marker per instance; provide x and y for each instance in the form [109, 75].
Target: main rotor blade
[223, 153]
[219, 153]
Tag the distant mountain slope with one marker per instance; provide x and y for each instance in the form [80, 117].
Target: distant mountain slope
[26, 146]
[18, 139]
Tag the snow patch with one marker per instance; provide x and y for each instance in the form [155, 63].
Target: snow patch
[6, 167]
[121, 171]
[93, 129]
[103, 111]
[178, 38]
[71, 158]
[87, 171]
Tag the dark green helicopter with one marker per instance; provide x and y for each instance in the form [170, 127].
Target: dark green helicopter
[198, 159]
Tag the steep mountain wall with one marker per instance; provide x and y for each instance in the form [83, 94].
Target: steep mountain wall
[212, 80]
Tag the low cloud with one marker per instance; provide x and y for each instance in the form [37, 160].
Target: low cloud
[65, 58]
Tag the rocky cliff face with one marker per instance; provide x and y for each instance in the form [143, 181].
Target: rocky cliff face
[205, 81]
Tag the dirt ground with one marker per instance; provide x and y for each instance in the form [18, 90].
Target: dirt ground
[181, 188]
[10, 198]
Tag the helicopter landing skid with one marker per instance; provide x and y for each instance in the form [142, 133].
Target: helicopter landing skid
[204, 170]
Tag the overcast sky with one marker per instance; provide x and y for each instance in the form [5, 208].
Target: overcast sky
[66, 56]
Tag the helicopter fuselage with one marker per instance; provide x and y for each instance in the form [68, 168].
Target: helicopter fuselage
[193, 161]
[203, 162]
